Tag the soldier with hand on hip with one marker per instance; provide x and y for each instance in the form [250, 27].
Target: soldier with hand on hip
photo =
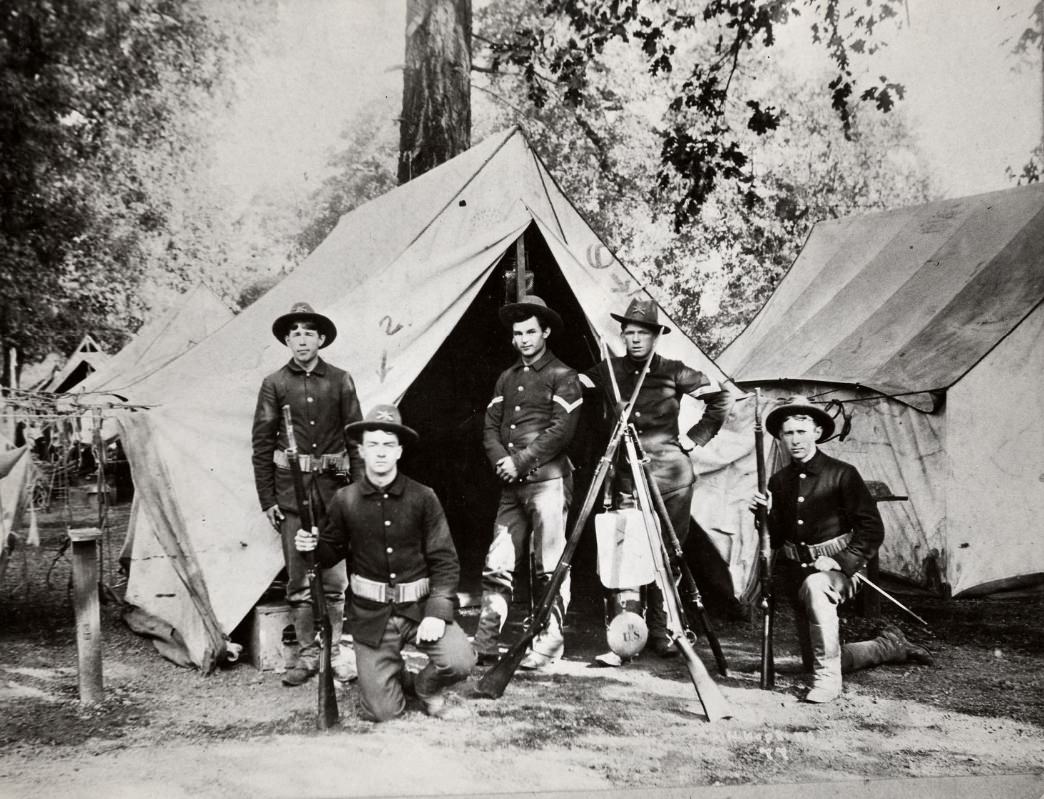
[655, 418]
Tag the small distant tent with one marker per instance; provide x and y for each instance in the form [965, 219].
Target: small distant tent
[927, 323]
[88, 357]
[191, 318]
[413, 280]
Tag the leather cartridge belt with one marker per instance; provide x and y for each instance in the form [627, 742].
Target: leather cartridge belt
[331, 462]
[377, 591]
[807, 553]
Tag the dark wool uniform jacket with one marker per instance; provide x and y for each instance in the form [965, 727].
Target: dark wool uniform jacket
[533, 416]
[321, 402]
[821, 499]
[395, 534]
[655, 414]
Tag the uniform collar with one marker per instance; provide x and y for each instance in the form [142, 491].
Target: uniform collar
[318, 369]
[813, 465]
[540, 362]
[395, 487]
[627, 362]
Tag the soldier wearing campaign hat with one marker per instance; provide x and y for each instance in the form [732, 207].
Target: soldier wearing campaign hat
[825, 525]
[655, 417]
[404, 572]
[529, 423]
[322, 401]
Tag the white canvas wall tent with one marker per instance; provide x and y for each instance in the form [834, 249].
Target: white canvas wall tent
[192, 317]
[928, 323]
[196, 314]
[87, 358]
[413, 281]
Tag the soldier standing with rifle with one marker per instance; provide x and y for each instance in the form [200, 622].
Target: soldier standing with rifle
[826, 524]
[655, 417]
[322, 401]
[529, 423]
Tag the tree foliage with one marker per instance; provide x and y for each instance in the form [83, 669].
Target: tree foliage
[716, 270]
[1029, 46]
[703, 142]
[96, 130]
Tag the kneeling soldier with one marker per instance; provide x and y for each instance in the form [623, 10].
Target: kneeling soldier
[393, 534]
[826, 523]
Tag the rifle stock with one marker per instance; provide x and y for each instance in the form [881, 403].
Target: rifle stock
[327, 714]
[707, 691]
[768, 666]
[494, 681]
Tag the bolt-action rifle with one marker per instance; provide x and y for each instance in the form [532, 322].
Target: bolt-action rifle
[495, 680]
[326, 709]
[707, 691]
[693, 600]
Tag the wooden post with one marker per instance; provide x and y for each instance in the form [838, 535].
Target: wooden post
[88, 612]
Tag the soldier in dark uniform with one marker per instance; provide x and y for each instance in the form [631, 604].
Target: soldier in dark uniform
[826, 525]
[393, 534]
[655, 417]
[529, 423]
[322, 401]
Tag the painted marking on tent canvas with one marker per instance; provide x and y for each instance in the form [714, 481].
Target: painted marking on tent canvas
[598, 256]
[383, 369]
[391, 327]
[622, 286]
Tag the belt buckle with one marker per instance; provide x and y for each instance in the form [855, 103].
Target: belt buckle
[391, 593]
[806, 553]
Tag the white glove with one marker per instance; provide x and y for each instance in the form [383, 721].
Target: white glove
[306, 541]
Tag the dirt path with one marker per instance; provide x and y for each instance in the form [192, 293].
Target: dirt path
[973, 725]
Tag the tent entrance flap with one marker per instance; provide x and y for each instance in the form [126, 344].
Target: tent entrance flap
[446, 403]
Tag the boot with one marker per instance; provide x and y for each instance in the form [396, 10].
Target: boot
[548, 646]
[660, 640]
[491, 621]
[826, 671]
[890, 646]
[307, 663]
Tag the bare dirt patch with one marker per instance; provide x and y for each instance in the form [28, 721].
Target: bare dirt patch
[978, 711]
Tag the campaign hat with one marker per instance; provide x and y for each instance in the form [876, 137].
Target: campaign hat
[799, 406]
[382, 417]
[644, 312]
[303, 312]
[529, 305]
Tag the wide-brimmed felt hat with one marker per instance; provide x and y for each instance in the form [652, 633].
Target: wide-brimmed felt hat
[529, 305]
[382, 417]
[642, 312]
[799, 406]
[303, 312]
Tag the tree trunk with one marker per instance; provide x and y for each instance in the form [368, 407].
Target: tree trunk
[436, 97]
